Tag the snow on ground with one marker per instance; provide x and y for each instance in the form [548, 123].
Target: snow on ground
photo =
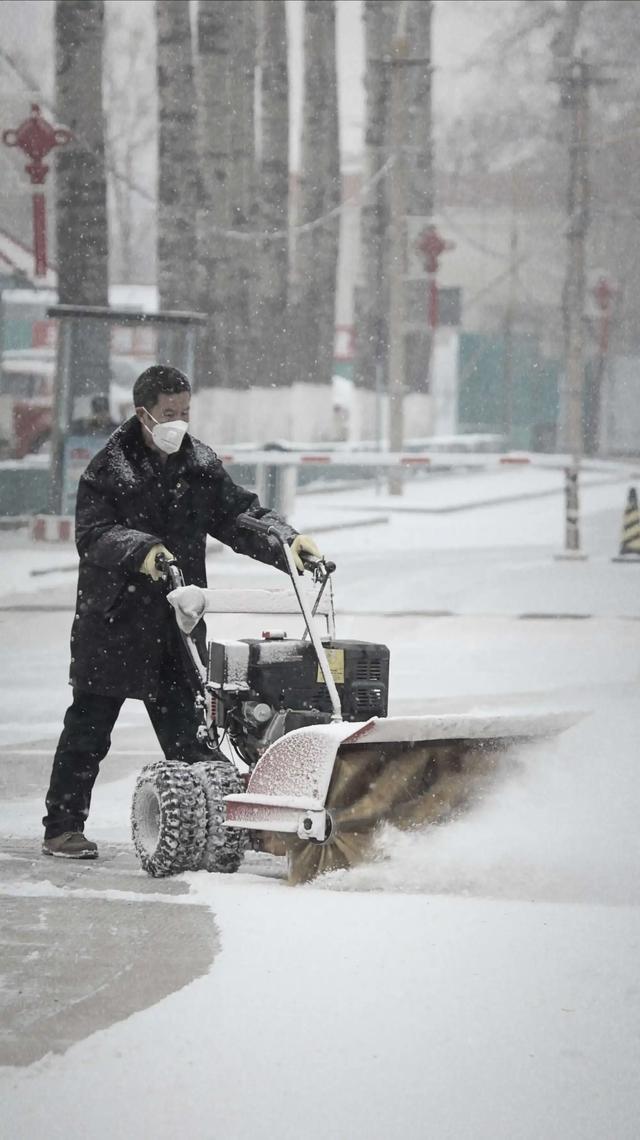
[479, 980]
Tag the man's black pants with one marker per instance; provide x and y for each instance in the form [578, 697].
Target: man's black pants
[86, 738]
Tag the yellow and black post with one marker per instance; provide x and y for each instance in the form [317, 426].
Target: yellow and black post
[630, 545]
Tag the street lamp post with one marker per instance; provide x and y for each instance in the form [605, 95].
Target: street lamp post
[36, 137]
[576, 80]
[605, 293]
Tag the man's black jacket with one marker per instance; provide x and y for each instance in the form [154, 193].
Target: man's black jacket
[127, 502]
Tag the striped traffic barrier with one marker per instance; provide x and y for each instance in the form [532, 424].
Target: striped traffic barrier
[52, 528]
[630, 543]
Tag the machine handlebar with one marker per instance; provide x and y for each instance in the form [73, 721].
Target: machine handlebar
[169, 568]
[319, 566]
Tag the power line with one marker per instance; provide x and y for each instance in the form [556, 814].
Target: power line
[234, 235]
[491, 285]
[501, 43]
[34, 88]
[317, 223]
[473, 242]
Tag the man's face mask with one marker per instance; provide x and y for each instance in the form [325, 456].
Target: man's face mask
[167, 436]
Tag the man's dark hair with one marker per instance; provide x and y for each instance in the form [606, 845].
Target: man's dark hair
[155, 381]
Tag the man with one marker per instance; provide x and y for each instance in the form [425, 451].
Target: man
[98, 422]
[151, 490]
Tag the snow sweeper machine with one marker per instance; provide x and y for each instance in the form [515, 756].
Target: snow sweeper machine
[315, 764]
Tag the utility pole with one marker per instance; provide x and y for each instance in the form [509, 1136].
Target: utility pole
[575, 82]
[508, 330]
[398, 251]
[605, 293]
[577, 87]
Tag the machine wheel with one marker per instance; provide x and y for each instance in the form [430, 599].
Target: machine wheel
[224, 847]
[168, 818]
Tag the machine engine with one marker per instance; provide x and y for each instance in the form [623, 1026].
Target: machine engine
[261, 688]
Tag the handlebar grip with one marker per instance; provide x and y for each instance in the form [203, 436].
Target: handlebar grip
[249, 522]
[261, 526]
[312, 562]
[172, 569]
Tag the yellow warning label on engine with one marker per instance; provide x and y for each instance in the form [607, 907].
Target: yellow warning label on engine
[335, 657]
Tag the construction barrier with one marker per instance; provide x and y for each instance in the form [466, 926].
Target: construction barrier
[630, 544]
[52, 528]
[280, 471]
[406, 459]
[285, 457]
[571, 516]
[276, 476]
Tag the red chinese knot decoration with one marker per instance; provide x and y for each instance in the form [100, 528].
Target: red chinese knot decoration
[36, 137]
[431, 245]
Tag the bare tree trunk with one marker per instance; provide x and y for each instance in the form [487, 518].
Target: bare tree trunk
[574, 95]
[319, 193]
[242, 193]
[177, 166]
[126, 221]
[372, 299]
[214, 215]
[420, 183]
[131, 140]
[272, 214]
[120, 178]
[420, 189]
[81, 188]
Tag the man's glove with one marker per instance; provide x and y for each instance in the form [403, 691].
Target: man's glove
[189, 603]
[302, 544]
[149, 565]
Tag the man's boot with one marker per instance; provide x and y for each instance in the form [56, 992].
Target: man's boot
[70, 845]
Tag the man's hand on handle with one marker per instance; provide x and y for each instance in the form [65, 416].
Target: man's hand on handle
[149, 565]
[303, 545]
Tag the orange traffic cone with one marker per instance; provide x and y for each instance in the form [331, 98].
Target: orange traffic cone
[630, 545]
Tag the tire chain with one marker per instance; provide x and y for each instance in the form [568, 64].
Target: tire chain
[224, 847]
[182, 831]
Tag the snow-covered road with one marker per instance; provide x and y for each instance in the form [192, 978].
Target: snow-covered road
[477, 981]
